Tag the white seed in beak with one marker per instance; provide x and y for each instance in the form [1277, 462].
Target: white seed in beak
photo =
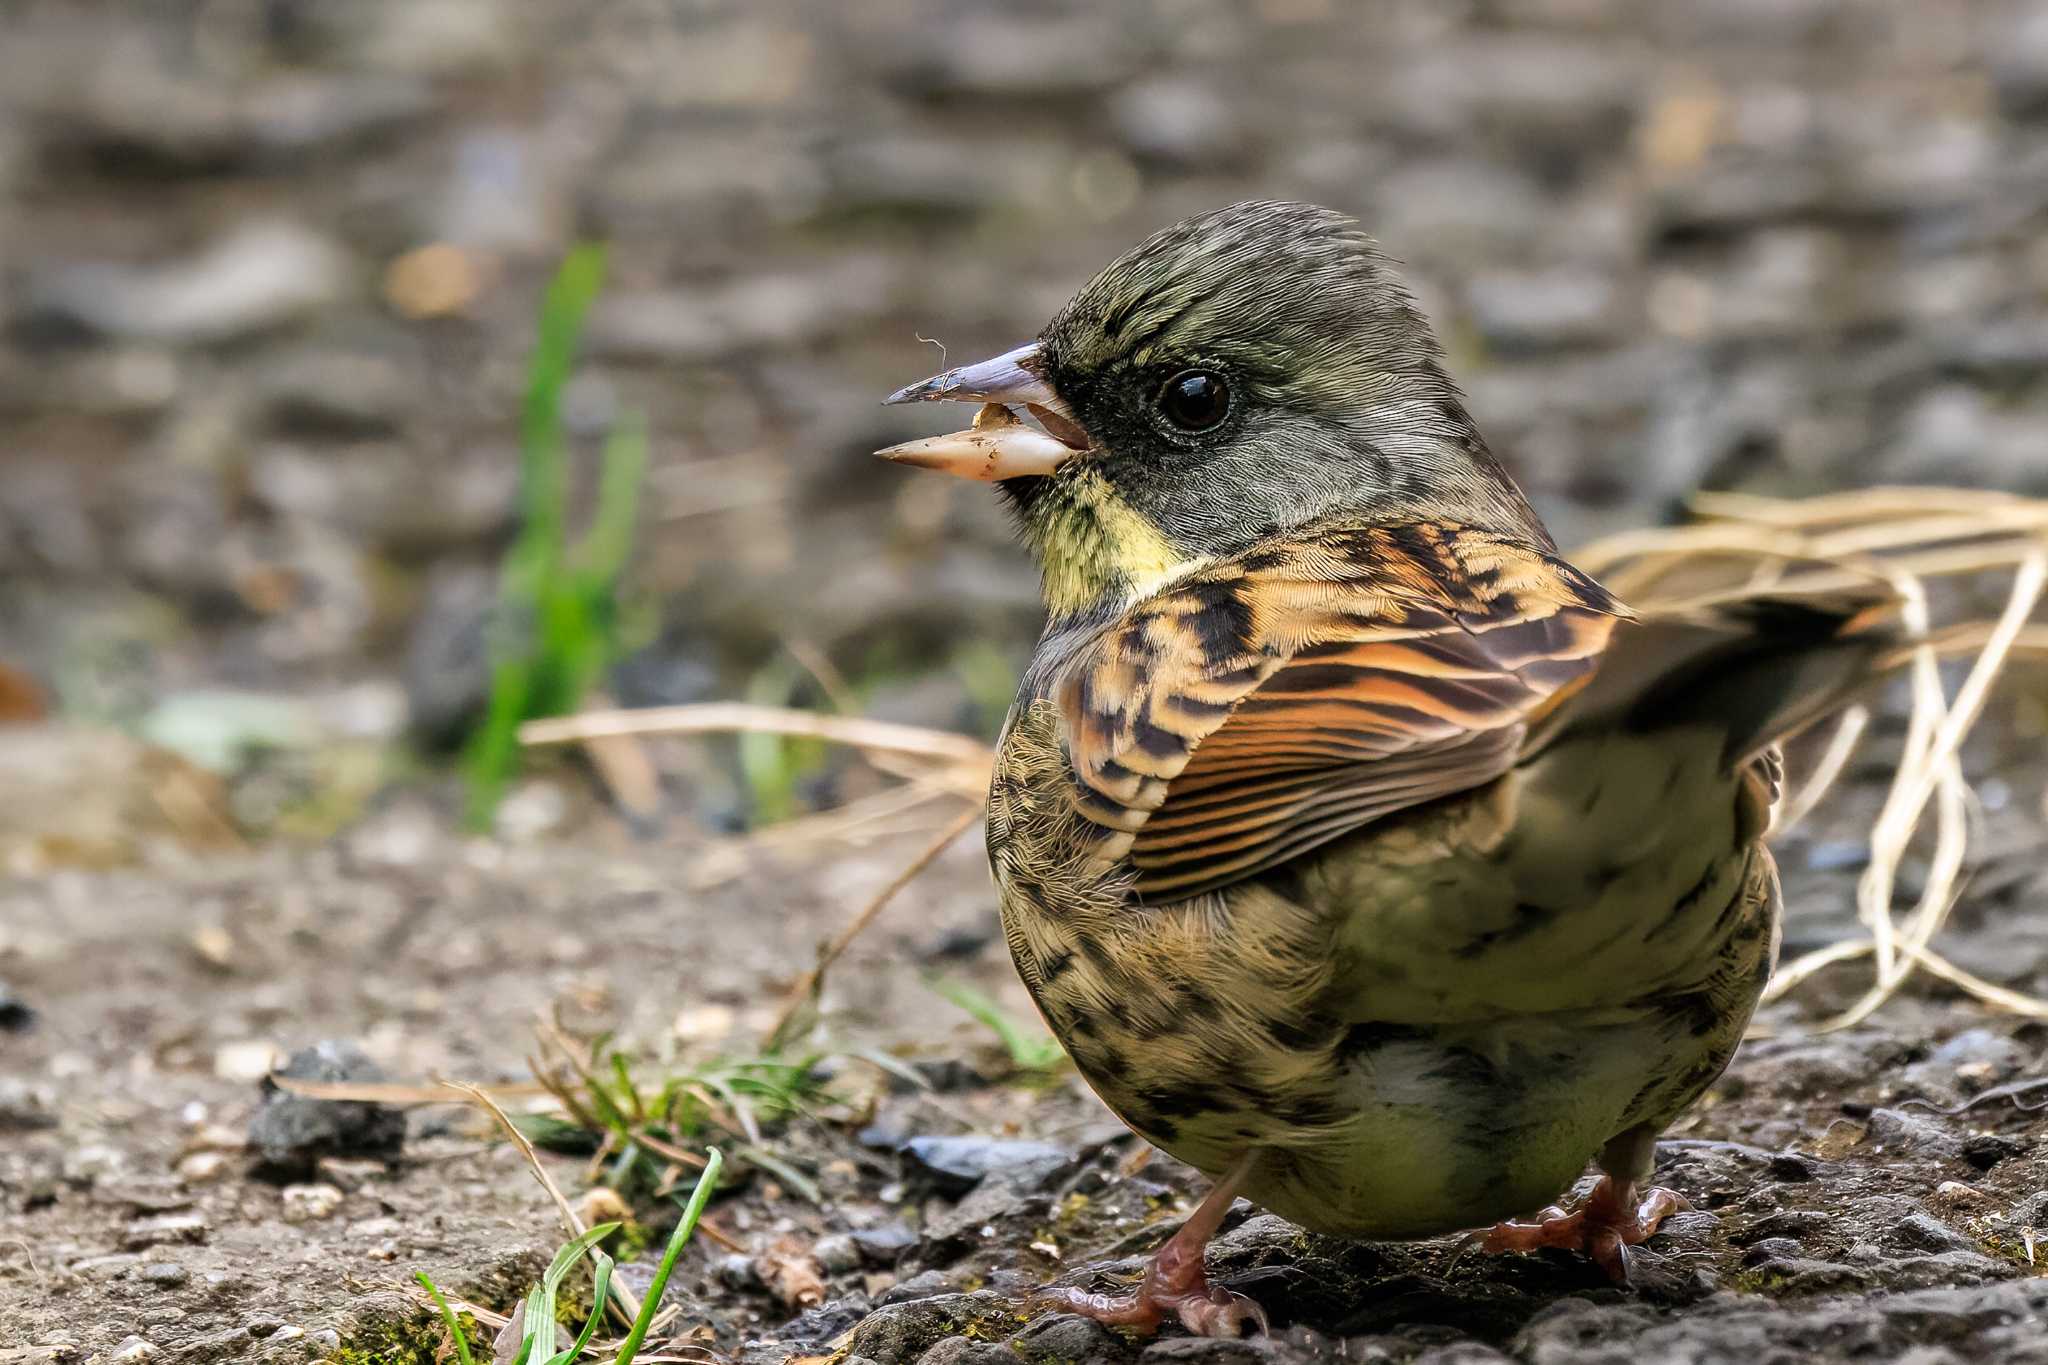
[998, 446]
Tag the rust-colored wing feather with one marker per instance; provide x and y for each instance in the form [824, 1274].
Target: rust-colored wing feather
[1272, 702]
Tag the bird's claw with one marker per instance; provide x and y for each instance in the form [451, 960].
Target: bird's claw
[1610, 1221]
[1204, 1309]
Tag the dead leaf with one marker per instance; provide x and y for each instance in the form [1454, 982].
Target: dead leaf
[787, 1269]
[21, 701]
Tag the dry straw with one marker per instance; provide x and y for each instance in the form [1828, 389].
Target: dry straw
[1907, 541]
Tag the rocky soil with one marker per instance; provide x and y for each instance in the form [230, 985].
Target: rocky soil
[1879, 1194]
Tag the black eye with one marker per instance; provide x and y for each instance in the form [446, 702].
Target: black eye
[1195, 400]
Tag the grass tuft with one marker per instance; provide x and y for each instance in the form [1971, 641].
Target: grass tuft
[638, 1127]
[533, 1325]
[557, 625]
[1029, 1048]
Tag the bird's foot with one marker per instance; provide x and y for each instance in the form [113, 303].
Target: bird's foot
[1176, 1285]
[1615, 1217]
[1168, 1292]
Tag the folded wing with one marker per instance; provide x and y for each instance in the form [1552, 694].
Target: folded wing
[1273, 702]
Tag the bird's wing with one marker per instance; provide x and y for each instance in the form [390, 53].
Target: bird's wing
[1274, 701]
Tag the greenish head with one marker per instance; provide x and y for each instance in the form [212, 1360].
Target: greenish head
[1242, 372]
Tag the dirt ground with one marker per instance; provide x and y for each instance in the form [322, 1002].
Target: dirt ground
[1870, 1195]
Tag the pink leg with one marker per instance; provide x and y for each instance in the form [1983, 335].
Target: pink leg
[1620, 1213]
[1175, 1284]
[1614, 1218]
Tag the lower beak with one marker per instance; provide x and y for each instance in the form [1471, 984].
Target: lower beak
[999, 445]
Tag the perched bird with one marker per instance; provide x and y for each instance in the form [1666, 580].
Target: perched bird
[1363, 853]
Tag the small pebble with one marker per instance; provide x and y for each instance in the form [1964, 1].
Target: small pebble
[1930, 1234]
[920, 1286]
[176, 1227]
[886, 1244]
[292, 1132]
[202, 1168]
[836, 1253]
[165, 1274]
[310, 1203]
[1790, 1168]
[1771, 1249]
[1985, 1150]
[955, 1165]
[736, 1272]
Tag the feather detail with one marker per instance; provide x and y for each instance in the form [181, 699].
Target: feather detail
[1269, 703]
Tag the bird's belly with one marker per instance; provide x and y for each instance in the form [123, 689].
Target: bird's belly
[1454, 1129]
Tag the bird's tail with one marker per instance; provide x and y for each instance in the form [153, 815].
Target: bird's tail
[1760, 669]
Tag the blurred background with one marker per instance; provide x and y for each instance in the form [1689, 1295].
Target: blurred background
[270, 272]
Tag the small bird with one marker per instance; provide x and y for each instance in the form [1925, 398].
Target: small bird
[1364, 854]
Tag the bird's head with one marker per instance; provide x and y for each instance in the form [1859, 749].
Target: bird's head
[1237, 374]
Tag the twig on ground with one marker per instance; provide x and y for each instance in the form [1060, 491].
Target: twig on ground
[715, 717]
[806, 991]
[621, 1300]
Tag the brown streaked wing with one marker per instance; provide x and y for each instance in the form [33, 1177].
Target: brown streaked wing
[1271, 703]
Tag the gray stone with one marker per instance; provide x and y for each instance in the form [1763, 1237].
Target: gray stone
[258, 277]
[955, 1165]
[1204, 1351]
[736, 1271]
[1930, 1234]
[26, 1107]
[1899, 1132]
[1177, 122]
[924, 1285]
[170, 1229]
[1545, 310]
[1062, 1337]
[836, 1253]
[886, 1244]
[290, 1133]
[967, 1351]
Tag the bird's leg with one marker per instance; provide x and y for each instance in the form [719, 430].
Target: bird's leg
[1175, 1284]
[1622, 1211]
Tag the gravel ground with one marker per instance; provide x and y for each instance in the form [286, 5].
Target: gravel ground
[1870, 1195]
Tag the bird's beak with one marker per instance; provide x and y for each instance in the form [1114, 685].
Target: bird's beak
[999, 445]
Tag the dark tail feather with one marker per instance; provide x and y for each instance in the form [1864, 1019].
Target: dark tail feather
[1760, 669]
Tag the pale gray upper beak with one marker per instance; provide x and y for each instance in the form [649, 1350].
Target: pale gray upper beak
[1011, 377]
[999, 445]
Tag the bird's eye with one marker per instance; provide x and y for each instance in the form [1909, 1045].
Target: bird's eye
[1195, 400]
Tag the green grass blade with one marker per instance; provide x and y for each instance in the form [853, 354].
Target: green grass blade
[651, 1302]
[891, 1065]
[572, 1252]
[455, 1332]
[606, 547]
[786, 1173]
[1031, 1051]
[539, 1341]
[526, 678]
[601, 1287]
[543, 474]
